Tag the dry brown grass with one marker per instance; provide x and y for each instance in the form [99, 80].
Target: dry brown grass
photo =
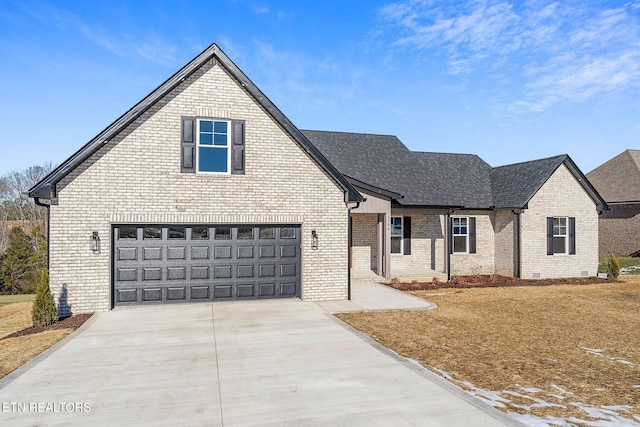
[507, 339]
[15, 317]
[15, 352]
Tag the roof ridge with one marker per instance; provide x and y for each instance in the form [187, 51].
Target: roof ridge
[563, 156]
[349, 133]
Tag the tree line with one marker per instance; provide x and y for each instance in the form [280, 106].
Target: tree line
[23, 231]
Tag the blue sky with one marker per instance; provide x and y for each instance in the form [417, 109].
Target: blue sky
[509, 81]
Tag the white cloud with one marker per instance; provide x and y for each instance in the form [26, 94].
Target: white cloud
[559, 52]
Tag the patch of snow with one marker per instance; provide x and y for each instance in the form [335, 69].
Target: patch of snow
[491, 397]
[625, 362]
[636, 386]
[529, 389]
[592, 350]
[558, 396]
[561, 389]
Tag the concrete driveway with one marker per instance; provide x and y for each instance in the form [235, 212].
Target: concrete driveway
[277, 362]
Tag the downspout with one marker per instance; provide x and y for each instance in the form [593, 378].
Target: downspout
[518, 249]
[447, 241]
[349, 242]
[39, 203]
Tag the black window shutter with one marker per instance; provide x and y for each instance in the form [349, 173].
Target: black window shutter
[550, 235]
[472, 235]
[237, 147]
[450, 235]
[406, 234]
[572, 236]
[188, 145]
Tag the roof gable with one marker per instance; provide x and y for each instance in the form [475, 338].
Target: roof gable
[514, 185]
[618, 180]
[46, 187]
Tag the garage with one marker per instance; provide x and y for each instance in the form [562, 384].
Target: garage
[155, 264]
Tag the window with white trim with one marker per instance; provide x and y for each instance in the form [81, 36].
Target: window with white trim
[213, 146]
[396, 235]
[560, 236]
[460, 234]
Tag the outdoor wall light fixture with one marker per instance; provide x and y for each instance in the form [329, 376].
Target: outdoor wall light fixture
[95, 242]
[314, 240]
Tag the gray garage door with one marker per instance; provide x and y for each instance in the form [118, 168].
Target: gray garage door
[178, 263]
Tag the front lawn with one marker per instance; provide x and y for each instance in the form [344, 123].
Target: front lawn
[19, 341]
[553, 353]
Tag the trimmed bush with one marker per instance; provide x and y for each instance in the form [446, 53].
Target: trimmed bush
[613, 268]
[44, 312]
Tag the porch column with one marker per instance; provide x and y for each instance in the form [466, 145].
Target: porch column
[384, 245]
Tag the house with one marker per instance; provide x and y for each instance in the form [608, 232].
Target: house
[436, 215]
[205, 191]
[618, 181]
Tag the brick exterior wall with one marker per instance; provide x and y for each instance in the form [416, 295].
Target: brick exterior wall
[560, 196]
[427, 243]
[619, 230]
[364, 242]
[505, 228]
[482, 262]
[136, 178]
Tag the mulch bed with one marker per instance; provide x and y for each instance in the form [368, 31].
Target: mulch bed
[493, 281]
[71, 322]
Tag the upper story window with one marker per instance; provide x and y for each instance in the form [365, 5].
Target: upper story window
[213, 146]
[396, 235]
[460, 234]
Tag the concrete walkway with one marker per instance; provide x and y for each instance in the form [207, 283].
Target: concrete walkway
[277, 362]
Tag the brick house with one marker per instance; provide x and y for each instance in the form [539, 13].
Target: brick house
[618, 181]
[205, 191]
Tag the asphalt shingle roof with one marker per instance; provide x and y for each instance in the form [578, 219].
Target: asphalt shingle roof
[514, 185]
[435, 179]
[424, 179]
[618, 180]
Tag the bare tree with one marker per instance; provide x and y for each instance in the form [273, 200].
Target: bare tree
[16, 208]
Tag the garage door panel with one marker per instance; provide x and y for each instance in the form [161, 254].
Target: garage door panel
[222, 272]
[151, 254]
[177, 252]
[151, 273]
[127, 274]
[267, 289]
[288, 270]
[245, 252]
[200, 252]
[288, 251]
[126, 295]
[176, 273]
[199, 293]
[288, 289]
[179, 263]
[222, 252]
[246, 290]
[222, 291]
[176, 294]
[152, 294]
[127, 254]
[199, 272]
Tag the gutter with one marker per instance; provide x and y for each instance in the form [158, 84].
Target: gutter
[518, 240]
[448, 243]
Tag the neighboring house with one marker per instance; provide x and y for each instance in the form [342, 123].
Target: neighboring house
[205, 191]
[618, 182]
